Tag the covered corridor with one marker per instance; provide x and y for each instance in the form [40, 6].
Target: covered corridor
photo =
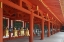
[31, 21]
[58, 37]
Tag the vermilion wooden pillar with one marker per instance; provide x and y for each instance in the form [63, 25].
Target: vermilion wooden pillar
[48, 28]
[31, 28]
[1, 22]
[59, 28]
[42, 35]
[56, 28]
[52, 28]
[9, 27]
[24, 24]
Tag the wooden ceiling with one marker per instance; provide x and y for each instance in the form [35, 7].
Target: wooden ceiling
[53, 5]
[62, 6]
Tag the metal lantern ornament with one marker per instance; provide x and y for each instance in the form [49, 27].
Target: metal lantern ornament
[37, 7]
[6, 32]
[15, 32]
[21, 32]
[27, 32]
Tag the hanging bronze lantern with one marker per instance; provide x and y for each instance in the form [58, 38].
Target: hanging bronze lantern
[15, 32]
[27, 32]
[6, 32]
[21, 32]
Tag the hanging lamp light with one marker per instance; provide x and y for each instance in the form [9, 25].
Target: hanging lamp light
[37, 7]
[47, 14]
[6, 32]
[21, 32]
[27, 32]
[15, 32]
[0, 4]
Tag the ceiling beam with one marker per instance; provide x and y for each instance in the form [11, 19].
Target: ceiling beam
[51, 11]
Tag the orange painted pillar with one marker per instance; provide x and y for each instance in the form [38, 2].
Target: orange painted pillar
[59, 28]
[56, 28]
[42, 34]
[9, 27]
[52, 28]
[1, 22]
[31, 28]
[48, 29]
[24, 24]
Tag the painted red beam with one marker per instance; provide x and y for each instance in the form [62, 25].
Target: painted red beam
[7, 2]
[38, 16]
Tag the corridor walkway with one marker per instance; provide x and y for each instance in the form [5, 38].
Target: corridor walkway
[58, 37]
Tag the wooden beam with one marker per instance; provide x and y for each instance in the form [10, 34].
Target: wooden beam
[7, 2]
